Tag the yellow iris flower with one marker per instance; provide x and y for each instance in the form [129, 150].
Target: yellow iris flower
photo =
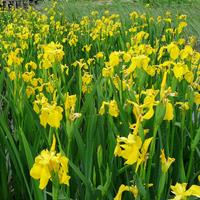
[123, 188]
[49, 163]
[166, 163]
[132, 149]
[180, 192]
[113, 108]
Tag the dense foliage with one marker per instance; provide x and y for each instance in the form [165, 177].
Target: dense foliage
[92, 109]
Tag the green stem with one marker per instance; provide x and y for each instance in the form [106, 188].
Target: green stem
[172, 141]
[152, 150]
[55, 190]
[161, 185]
[69, 128]
[190, 164]
[58, 139]
[50, 136]
[182, 143]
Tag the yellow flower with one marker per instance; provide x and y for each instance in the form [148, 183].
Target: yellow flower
[129, 148]
[183, 105]
[181, 193]
[137, 61]
[132, 149]
[102, 108]
[173, 51]
[30, 91]
[140, 36]
[87, 48]
[113, 108]
[189, 77]
[55, 116]
[143, 155]
[107, 71]
[144, 111]
[181, 41]
[53, 53]
[149, 114]
[48, 163]
[186, 52]
[32, 64]
[169, 115]
[70, 102]
[194, 190]
[13, 58]
[181, 25]
[163, 86]
[133, 189]
[151, 70]
[45, 64]
[51, 114]
[99, 55]
[27, 76]
[41, 171]
[86, 80]
[114, 59]
[166, 163]
[127, 57]
[161, 52]
[12, 75]
[197, 98]
[179, 70]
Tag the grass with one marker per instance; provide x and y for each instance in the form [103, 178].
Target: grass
[75, 10]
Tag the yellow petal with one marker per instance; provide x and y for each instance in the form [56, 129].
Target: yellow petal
[173, 51]
[113, 108]
[169, 115]
[166, 163]
[178, 71]
[102, 108]
[35, 171]
[149, 114]
[130, 153]
[36, 108]
[53, 146]
[117, 151]
[189, 77]
[139, 161]
[163, 85]
[43, 118]
[197, 98]
[169, 161]
[122, 188]
[64, 163]
[134, 191]
[195, 190]
[63, 177]
[180, 190]
[146, 144]
[136, 110]
[45, 176]
[54, 118]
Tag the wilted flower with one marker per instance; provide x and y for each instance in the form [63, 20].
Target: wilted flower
[166, 163]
